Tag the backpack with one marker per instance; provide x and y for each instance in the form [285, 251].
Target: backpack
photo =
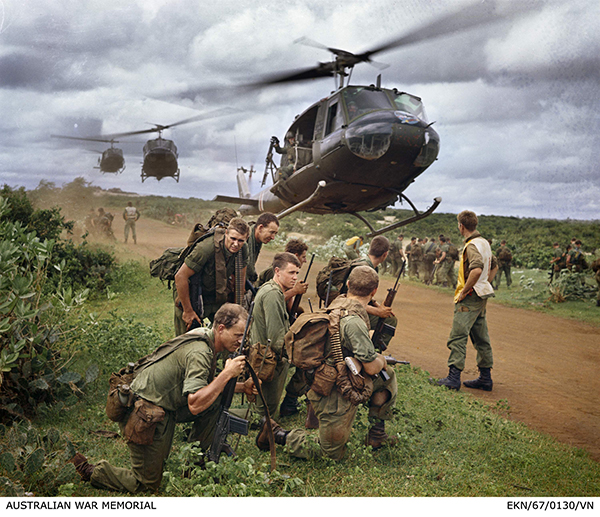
[339, 269]
[416, 252]
[504, 254]
[452, 252]
[166, 266]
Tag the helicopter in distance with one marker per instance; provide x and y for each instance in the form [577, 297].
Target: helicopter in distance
[111, 160]
[359, 148]
[160, 155]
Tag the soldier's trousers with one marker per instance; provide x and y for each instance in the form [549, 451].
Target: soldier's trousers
[147, 461]
[130, 225]
[442, 274]
[297, 386]
[336, 416]
[503, 268]
[469, 321]
[413, 269]
[273, 389]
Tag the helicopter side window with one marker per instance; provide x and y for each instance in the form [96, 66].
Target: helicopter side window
[334, 118]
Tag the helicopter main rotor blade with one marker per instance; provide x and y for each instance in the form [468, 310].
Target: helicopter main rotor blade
[322, 70]
[471, 16]
[87, 139]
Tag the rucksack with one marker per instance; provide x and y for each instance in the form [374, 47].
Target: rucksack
[166, 266]
[504, 254]
[452, 252]
[339, 269]
[416, 252]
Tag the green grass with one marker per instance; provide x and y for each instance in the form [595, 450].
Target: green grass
[450, 444]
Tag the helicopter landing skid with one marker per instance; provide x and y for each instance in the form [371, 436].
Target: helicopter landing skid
[418, 215]
[302, 204]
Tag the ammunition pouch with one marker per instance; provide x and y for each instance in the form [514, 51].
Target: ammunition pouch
[120, 397]
[142, 422]
[324, 380]
[356, 389]
[263, 361]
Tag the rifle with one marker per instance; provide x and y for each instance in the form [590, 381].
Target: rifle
[269, 164]
[298, 297]
[392, 360]
[383, 328]
[228, 423]
[389, 360]
[328, 289]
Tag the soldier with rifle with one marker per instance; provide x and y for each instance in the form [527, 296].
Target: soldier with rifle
[178, 383]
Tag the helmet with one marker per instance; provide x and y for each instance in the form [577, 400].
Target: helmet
[289, 135]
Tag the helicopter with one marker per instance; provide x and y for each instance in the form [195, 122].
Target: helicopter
[111, 160]
[359, 148]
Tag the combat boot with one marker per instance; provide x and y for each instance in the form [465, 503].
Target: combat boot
[377, 437]
[312, 422]
[262, 439]
[83, 468]
[483, 382]
[289, 406]
[451, 382]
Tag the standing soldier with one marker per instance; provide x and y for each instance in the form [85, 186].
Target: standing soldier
[429, 257]
[396, 255]
[336, 411]
[575, 258]
[451, 257]
[352, 247]
[442, 263]
[504, 256]
[104, 223]
[556, 261]
[203, 282]
[476, 271]
[596, 270]
[130, 215]
[270, 322]
[289, 150]
[263, 232]
[412, 265]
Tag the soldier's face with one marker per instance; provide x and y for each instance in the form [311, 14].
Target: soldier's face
[287, 276]
[302, 258]
[230, 338]
[234, 240]
[265, 234]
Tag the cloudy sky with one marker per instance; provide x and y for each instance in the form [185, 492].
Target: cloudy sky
[516, 104]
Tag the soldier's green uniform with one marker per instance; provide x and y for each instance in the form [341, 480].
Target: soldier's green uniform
[442, 272]
[504, 257]
[395, 256]
[335, 413]
[413, 265]
[265, 276]
[214, 264]
[166, 383]
[288, 162]
[428, 259]
[596, 269]
[270, 320]
[576, 259]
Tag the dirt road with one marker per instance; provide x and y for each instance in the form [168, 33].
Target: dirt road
[545, 367]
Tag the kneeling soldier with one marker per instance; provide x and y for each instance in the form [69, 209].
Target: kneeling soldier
[182, 386]
[336, 411]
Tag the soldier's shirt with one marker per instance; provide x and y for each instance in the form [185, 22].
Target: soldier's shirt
[202, 258]
[270, 316]
[168, 382]
[354, 334]
[265, 276]
[473, 258]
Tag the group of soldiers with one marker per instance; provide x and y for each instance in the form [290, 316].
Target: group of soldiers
[100, 224]
[180, 381]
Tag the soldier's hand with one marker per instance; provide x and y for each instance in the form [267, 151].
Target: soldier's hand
[189, 318]
[250, 390]
[234, 367]
[300, 287]
[384, 312]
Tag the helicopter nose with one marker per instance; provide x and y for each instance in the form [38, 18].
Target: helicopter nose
[369, 141]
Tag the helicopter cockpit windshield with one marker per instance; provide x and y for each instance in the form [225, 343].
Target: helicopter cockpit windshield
[361, 100]
[409, 103]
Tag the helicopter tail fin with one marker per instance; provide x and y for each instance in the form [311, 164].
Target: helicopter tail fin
[243, 188]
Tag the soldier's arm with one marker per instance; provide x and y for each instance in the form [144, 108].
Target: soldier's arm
[182, 278]
[275, 320]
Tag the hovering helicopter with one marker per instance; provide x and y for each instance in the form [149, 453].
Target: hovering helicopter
[160, 155]
[359, 148]
[111, 160]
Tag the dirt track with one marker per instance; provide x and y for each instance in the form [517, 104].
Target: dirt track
[545, 367]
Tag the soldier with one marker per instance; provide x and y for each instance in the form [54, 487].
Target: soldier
[396, 255]
[104, 223]
[270, 322]
[335, 413]
[557, 261]
[451, 257]
[130, 215]
[429, 257]
[184, 385]
[352, 247]
[263, 232]
[289, 149]
[206, 274]
[504, 256]
[442, 263]
[477, 269]
[412, 263]
[89, 222]
[575, 258]
[596, 270]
